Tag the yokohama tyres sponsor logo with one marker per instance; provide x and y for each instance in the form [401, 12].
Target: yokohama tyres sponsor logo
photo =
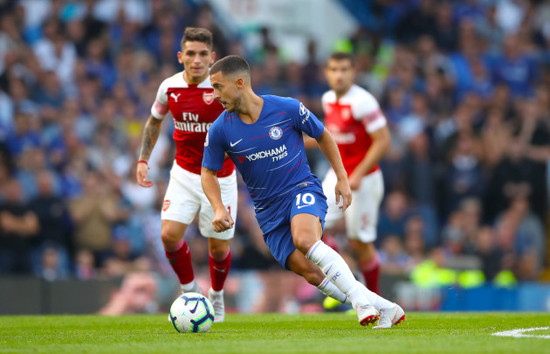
[276, 154]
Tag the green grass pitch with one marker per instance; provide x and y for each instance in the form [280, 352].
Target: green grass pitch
[275, 333]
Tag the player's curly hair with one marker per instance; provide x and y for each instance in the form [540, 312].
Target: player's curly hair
[196, 34]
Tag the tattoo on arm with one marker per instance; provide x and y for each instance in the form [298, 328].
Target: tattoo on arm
[151, 134]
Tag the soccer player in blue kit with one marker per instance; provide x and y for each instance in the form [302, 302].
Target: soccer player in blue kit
[263, 136]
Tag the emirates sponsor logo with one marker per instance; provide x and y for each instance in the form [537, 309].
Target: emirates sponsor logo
[192, 126]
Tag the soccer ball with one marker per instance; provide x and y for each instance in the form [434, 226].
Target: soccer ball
[192, 312]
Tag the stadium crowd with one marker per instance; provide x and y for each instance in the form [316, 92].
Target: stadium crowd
[465, 86]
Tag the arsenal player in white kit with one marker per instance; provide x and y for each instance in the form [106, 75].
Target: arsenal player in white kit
[354, 118]
[189, 96]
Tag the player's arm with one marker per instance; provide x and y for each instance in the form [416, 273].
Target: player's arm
[150, 136]
[310, 143]
[222, 218]
[330, 150]
[381, 140]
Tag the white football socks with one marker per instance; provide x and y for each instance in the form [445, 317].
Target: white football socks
[329, 289]
[191, 287]
[337, 272]
[376, 300]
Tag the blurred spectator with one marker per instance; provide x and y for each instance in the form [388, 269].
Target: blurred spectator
[464, 176]
[205, 18]
[417, 22]
[393, 215]
[18, 226]
[393, 258]
[94, 214]
[52, 244]
[512, 177]
[445, 33]
[521, 236]
[51, 266]
[137, 294]
[489, 28]
[515, 68]
[488, 251]
[85, 265]
[55, 52]
[418, 171]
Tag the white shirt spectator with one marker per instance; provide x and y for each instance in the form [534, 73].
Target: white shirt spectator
[138, 11]
[62, 65]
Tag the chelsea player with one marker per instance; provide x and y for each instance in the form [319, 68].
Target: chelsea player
[263, 137]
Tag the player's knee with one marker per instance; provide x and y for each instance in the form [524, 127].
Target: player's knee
[169, 237]
[304, 242]
[218, 251]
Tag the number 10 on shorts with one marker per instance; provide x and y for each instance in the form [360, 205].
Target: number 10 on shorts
[303, 200]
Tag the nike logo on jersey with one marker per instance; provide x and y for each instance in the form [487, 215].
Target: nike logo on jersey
[175, 97]
[301, 206]
[235, 143]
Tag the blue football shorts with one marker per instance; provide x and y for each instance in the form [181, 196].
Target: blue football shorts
[274, 220]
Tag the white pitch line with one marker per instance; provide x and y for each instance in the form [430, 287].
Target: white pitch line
[518, 333]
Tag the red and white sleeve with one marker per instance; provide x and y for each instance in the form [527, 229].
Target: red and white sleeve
[160, 106]
[367, 110]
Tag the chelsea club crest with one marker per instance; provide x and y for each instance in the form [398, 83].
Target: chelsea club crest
[275, 133]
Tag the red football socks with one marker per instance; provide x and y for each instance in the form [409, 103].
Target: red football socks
[180, 260]
[371, 273]
[219, 271]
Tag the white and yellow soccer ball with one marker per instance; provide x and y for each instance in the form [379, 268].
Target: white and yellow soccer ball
[192, 312]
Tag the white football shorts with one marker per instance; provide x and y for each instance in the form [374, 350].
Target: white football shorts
[184, 198]
[362, 214]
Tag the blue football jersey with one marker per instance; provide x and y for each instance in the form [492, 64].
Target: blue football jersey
[269, 153]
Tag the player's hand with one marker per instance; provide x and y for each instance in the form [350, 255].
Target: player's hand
[141, 175]
[355, 181]
[343, 190]
[222, 220]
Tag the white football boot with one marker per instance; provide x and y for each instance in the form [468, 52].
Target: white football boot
[390, 317]
[367, 314]
[216, 298]
[196, 289]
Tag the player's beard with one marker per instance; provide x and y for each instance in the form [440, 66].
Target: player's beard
[342, 88]
[236, 106]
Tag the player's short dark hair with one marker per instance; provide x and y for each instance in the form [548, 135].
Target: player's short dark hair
[230, 64]
[196, 34]
[342, 56]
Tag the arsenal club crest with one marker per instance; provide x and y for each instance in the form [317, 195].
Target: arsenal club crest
[346, 113]
[166, 205]
[208, 97]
